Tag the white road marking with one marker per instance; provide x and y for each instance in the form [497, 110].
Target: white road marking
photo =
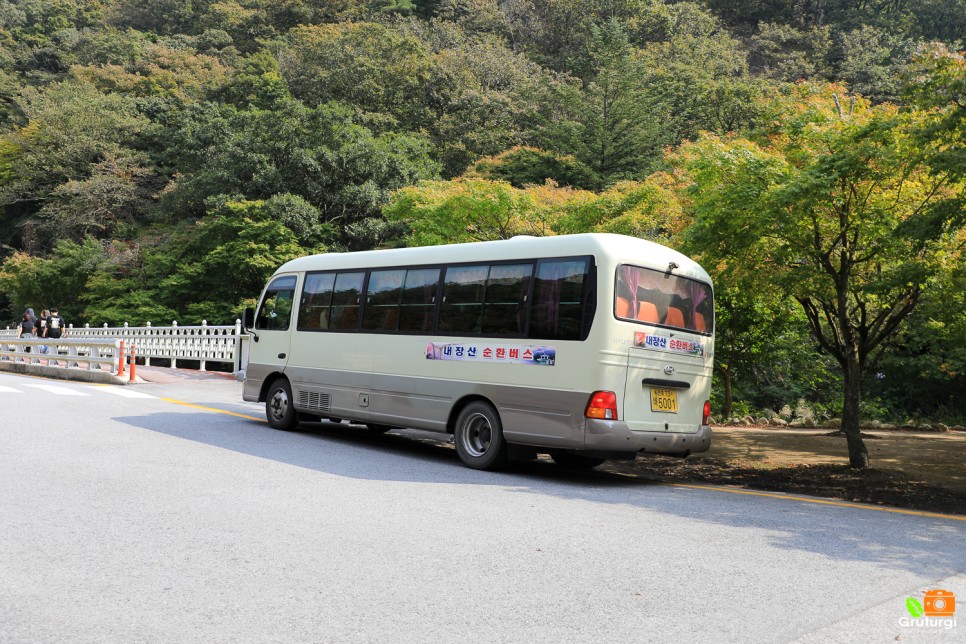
[9, 390]
[59, 390]
[122, 391]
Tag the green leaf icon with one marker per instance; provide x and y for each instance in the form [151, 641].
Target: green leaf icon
[913, 606]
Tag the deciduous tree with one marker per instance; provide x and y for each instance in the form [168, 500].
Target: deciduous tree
[833, 207]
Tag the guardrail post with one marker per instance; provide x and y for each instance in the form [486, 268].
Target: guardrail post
[238, 346]
[204, 336]
[174, 335]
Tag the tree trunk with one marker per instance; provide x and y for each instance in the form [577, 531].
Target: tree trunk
[858, 454]
[728, 395]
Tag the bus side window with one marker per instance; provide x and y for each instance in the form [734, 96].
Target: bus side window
[346, 301]
[315, 302]
[275, 313]
[419, 300]
[557, 309]
[504, 313]
[462, 306]
[382, 300]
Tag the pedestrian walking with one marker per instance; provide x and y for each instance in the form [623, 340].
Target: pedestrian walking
[27, 324]
[40, 330]
[25, 330]
[55, 326]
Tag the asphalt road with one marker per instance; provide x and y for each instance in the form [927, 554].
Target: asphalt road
[172, 513]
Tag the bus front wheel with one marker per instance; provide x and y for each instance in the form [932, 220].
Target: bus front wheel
[279, 407]
[479, 437]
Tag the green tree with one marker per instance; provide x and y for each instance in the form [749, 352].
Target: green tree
[474, 209]
[522, 166]
[370, 66]
[477, 95]
[204, 270]
[463, 210]
[647, 209]
[698, 82]
[72, 130]
[241, 240]
[118, 193]
[924, 372]
[159, 16]
[342, 169]
[830, 207]
[604, 121]
[39, 283]
[71, 125]
[869, 60]
[786, 53]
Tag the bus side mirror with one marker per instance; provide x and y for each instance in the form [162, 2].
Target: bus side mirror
[248, 318]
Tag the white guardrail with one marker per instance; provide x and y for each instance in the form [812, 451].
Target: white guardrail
[79, 353]
[203, 343]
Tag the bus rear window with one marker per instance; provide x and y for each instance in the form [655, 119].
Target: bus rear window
[654, 297]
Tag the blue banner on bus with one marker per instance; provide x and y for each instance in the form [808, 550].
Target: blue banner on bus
[492, 352]
[665, 343]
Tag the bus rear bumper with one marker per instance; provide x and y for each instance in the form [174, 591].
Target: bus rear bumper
[616, 436]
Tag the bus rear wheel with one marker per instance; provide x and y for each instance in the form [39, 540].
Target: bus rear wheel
[479, 437]
[575, 461]
[279, 407]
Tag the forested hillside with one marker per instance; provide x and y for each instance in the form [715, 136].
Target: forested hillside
[159, 159]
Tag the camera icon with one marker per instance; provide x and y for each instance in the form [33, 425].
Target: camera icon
[939, 603]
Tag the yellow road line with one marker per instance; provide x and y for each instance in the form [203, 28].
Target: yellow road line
[841, 504]
[220, 411]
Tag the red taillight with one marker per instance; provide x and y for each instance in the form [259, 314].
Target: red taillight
[602, 404]
[706, 418]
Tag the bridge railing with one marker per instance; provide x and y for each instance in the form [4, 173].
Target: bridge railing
[70, 353]
[204, 343]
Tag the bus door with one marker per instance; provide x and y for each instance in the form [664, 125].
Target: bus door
[669, 362]
[273, 325]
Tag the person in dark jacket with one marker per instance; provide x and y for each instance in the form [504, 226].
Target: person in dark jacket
[26, 328]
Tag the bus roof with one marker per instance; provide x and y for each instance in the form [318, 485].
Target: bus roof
[621, 248]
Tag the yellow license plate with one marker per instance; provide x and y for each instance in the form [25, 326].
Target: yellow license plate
[664, 400]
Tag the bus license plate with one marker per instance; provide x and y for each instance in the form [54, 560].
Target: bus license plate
[664, 400]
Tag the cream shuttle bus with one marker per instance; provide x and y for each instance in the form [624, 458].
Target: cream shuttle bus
[585, 347]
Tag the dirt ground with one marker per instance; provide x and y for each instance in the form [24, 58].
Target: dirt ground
[922, 471]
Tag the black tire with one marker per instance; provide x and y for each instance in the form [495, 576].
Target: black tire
[479, 437]
[279, 405]
[376, 428]
[575, 461]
